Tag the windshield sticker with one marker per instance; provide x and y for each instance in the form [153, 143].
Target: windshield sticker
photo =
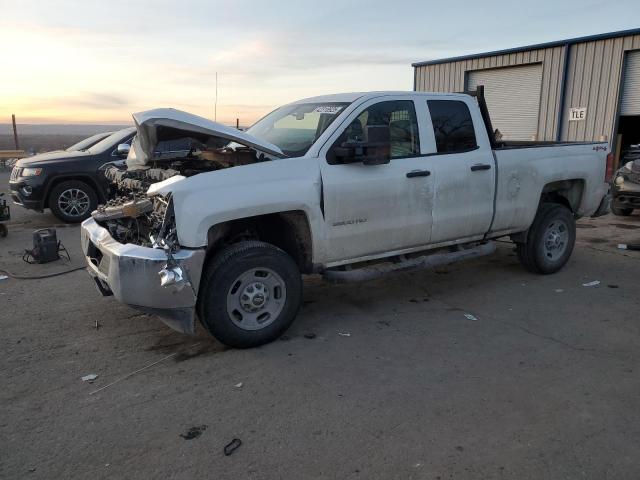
[330, 109]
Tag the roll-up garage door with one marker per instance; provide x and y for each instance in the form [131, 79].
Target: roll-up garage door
[513, 98]
[630, 102]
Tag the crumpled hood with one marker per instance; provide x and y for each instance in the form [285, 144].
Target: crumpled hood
[148, 122]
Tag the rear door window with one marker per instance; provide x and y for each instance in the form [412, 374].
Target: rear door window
[452, 126]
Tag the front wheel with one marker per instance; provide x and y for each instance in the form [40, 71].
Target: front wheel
[72, 201]
[250, 293]
[550, 239]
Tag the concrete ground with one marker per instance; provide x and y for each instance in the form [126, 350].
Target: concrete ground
[397, 382]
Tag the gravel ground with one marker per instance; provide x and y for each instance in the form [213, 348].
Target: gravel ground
[396, 382]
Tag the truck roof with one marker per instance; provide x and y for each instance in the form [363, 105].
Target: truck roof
[353, 96]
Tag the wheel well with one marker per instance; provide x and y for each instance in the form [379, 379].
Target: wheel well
[88, 180]
[288, 231]
[564, 192]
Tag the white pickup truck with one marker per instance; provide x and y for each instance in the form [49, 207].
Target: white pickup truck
[351, 186]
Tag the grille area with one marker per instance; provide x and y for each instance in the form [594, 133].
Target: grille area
[15, 173]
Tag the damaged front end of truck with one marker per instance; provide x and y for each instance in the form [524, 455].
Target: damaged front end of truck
[131, 243]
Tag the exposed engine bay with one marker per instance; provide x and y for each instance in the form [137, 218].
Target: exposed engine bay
[131, 216]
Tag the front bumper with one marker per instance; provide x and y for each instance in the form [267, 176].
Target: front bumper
[627, 196]
[33, 201]
[130, 273]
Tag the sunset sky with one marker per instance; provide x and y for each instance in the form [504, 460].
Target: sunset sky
[65, 61]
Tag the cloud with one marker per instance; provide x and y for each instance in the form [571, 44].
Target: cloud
[99, 100]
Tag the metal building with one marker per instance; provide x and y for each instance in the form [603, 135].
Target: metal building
[585, 88]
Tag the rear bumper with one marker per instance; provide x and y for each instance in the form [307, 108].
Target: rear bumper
[130, 273]
[604, 207]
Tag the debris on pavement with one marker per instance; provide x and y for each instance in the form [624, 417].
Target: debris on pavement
[193, 432]
[613, 285]
[469, 316]
[591, 284]
[629, 246]
[559, 290]
[310, 335]
[344, 334]
[3, 277]
[140, 370]
[232, 446]
[89, 378]
[238, 385]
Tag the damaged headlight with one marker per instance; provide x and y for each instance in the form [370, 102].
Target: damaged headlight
[167, 238]
[165, 234]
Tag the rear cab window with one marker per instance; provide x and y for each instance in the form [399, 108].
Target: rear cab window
[452, 126]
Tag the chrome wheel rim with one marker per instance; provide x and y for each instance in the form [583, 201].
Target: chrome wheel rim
[556, 239]
[256, 298]
[73, 202]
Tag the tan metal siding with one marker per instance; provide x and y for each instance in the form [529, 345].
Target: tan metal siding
[593, 81]
[432, 79]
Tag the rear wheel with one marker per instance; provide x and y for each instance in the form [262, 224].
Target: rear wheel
[621, 212]
[73, 201]
[250, 293]
[550, 239]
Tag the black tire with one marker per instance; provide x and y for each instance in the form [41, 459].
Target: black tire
[222, 282]
[65, 211]
[534, 254]
[621, 212]
[4, 231]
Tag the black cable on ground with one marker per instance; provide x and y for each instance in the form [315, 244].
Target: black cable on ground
[39, 277]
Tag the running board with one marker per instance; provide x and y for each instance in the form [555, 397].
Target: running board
[378, 270]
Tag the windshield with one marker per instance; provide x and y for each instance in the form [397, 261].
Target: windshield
[88, 142]
[112, 140]
[294, 128]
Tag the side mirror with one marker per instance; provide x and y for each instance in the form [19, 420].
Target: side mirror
[376, 150]
[123, 150]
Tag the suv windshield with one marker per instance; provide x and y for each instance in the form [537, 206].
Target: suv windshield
[112, 140]
[294, 128]
[88, 142]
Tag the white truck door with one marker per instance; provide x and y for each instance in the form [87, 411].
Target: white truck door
[464, 170]
[376, 209]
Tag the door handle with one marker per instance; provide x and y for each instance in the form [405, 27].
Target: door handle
[418, 173]
[480, 166]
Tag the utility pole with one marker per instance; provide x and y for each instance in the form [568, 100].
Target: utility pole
[215, 105]
[15, 131]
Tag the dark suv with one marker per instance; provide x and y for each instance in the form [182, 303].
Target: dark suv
[70, 183]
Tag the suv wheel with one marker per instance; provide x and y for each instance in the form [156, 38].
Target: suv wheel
[550, 239]
[250, 293]
[72, 201]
